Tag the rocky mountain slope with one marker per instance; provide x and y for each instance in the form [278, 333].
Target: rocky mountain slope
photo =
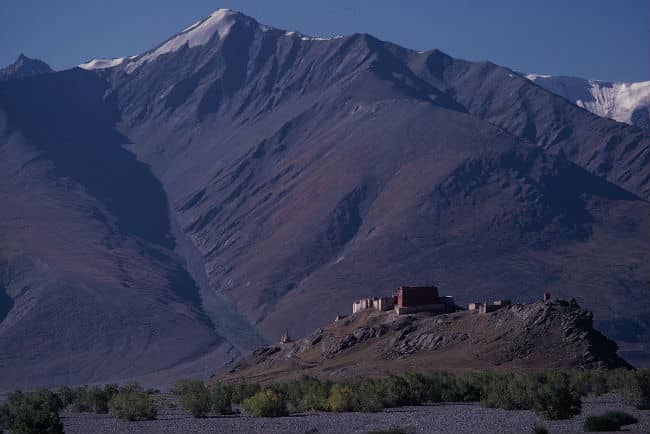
[24, 67]
[289, 160]
[556, 334]
[623, 102]
[92, 288]
[238, 180]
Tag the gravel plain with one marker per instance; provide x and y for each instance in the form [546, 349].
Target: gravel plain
[439, 418]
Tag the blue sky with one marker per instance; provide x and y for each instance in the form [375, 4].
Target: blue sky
[608, 40]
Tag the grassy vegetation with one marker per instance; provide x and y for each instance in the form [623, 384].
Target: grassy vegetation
[195, 397]
[550, 394]
[265, 403]
[38, 412]
[610, 421]
[221, 400]
[130, 404]
[88, 399]
[200, 400]
[31, 413]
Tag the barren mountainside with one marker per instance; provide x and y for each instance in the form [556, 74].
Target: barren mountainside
[170, 211]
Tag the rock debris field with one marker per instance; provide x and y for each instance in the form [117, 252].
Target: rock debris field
[438, 418]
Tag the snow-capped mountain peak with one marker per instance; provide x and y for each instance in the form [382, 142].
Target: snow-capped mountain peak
[200, 33]
[623, 102]
[218, 23]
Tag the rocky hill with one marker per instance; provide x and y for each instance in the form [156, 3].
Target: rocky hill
[554, 334]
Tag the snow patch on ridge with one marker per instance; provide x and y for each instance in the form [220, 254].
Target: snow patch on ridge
[102, 63]
[315, 38]
[614, 100]
[199, 33]
[304, 37]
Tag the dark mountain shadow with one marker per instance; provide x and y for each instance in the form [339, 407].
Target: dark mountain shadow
[6, 303]
[66, 116]
[186, 289]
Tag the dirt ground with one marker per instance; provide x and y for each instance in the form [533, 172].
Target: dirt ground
[443, 418]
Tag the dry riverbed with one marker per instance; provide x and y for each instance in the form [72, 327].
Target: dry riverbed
[438, 418]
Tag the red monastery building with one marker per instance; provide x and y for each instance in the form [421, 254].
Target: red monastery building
[408, 299]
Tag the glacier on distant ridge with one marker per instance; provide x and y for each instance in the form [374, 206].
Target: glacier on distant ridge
[623, 102]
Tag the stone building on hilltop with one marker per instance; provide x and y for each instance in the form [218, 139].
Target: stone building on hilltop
[487, 308]
[408, 299]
